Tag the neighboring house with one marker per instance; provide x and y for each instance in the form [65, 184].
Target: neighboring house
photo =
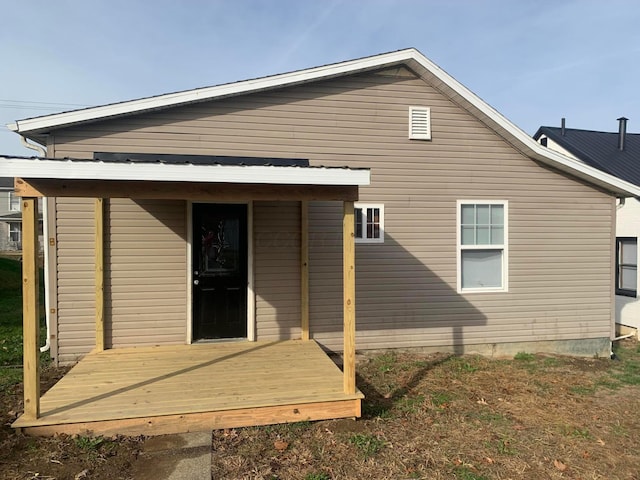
[618, 154]
[10, 217]
[229, 214]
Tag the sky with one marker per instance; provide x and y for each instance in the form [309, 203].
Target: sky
[535, 61]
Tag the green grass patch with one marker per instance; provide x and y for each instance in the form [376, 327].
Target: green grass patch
[385, 362]
[464, 473]
[524, 357]
[317, 476]
[410, 404]
[494, 418]
[375, 410]
[366, 443]
[441, 399]
[11, 323]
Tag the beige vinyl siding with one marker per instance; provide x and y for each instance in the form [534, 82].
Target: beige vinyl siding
[145, 273]
[277, 269]
[559, 228]
[75, 277]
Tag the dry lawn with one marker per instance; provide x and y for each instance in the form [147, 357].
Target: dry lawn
[469, 418]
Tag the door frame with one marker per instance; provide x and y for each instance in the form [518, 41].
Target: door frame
[251, 296]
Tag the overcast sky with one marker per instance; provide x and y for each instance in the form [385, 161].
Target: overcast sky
[534, 61]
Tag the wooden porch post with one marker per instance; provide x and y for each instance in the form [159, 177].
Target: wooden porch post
[349, 286]
[30, 304]
[304, 269]
[99, 280]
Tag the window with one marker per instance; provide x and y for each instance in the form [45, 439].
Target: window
[369, 219]
[14, 202]
[15, 232]
[419, 123]
[626, 266]
[482, 246]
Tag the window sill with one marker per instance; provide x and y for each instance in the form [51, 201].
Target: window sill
[483, 290]
[627, 293]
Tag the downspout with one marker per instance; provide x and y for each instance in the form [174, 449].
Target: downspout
[45, 227]
[31, 146]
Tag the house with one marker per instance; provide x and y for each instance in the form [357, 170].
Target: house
[10, 217]
[203, 244]
[618, 154]
[11, 220]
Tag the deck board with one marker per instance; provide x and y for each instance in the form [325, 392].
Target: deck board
[239, 378]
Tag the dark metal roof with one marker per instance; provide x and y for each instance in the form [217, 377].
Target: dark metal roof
[600, 150]
[199, 159]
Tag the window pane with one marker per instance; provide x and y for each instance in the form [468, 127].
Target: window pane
[628, 278]
[481, 268]
[376, 230]
[468, 214]
[497, 235]
[14, 202]
[497, 215]
[468, 236]
[482, 236]
[358, 216]
[482, 214]
[629, 252]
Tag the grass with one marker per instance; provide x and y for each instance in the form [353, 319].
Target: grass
[11, 323]
[367, 444]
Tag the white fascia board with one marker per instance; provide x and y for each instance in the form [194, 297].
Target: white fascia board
[209, 93]
[95, 170]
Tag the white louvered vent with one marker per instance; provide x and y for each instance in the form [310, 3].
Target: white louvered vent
[420, 123]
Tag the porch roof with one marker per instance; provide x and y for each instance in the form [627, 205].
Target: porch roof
[160, 171]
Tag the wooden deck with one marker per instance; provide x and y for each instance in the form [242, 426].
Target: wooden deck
[159, 390]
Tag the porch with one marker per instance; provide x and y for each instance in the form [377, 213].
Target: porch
[171, 389]
[119, 392]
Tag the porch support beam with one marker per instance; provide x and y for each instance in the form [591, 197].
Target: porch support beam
[99, 278]
[223, 192]
[304, 269]
[31, 353]
[349, 287]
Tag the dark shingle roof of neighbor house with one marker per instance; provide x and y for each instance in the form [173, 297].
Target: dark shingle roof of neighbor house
[6, 182]
[600, 150]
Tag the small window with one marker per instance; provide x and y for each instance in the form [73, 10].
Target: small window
[626, 266]
[14, 202]
[369, 223]
[419, 123]
[482, 246]
[15, 233]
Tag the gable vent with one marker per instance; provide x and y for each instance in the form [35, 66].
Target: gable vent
[420, 123]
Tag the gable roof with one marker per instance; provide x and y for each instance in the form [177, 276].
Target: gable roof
[600, 150]
[38, 128]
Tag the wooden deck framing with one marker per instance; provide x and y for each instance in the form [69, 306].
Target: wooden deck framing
[159, 390]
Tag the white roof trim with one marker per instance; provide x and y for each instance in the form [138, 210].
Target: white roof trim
[412, 57]
[164, 172]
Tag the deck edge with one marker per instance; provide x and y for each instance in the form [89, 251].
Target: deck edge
[203, 421]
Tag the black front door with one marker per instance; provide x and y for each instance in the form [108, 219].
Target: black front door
[219, 271]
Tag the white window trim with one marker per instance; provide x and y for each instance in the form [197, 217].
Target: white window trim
[11, 200]
[364, 206]
[504, 247]
[18, 227]
[420, 136]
